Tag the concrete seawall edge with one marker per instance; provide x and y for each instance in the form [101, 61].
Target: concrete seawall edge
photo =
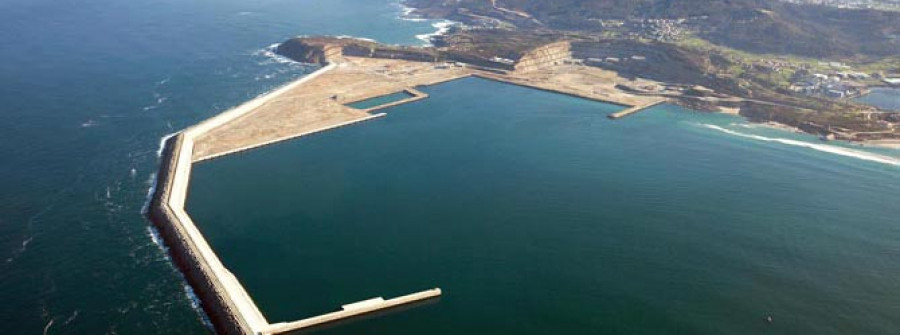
[222, 297]
[220, 310]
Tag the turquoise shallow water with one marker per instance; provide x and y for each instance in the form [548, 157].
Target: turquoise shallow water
[538, 215]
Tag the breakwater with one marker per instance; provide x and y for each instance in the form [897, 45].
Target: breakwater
[354, 309]
[315, 103]
[192, 255]
[635, 109]
[222, 297]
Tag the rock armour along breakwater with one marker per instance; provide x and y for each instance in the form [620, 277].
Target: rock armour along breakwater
[223, 298]
[185, 253]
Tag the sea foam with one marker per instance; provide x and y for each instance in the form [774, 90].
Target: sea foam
[271, 57]
[406, 13]
[846, 152]
[442, 28]
[151, 181]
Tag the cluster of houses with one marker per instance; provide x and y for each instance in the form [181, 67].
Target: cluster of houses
[834, 85]
[662, 30]
[772, 65]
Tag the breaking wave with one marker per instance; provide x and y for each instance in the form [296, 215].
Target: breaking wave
[274, 65]
[162, 143]
[442, 28]
[271, 57]
[846, 152]
[151, 181]
[407, 13]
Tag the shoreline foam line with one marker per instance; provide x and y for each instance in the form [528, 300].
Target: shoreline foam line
[841, 151]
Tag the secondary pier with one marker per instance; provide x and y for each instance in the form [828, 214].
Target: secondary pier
[635, 109]
[352, 310]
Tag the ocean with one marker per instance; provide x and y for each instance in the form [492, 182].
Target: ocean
[540, 217]
[88, 89]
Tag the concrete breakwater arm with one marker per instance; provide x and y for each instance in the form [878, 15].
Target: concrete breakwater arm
[352, 310]
[222, 297]
[194, 258]
[635, 109]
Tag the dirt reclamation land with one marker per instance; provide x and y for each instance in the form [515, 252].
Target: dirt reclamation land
[320, 103]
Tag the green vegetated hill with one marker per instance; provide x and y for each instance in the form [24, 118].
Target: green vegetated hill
[761, 26]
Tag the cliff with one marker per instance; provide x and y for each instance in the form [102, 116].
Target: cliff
[316, 50]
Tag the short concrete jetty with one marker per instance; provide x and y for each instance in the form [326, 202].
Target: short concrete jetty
[635, 109]
[352, 310]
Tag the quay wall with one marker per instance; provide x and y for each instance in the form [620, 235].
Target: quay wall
[569, 93]
[635, 109]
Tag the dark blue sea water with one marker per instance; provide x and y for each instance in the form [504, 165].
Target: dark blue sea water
[670, 222]
[87, 89]
[538, 215]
